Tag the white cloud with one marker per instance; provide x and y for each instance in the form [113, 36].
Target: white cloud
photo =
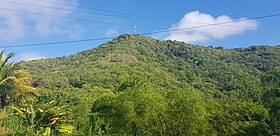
[112, 32]
[29, 56]
[76, 31]
[16, 25]
[11, 28]
[203, 34]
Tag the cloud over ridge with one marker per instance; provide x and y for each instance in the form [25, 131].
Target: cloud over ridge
[29, 56]
[195, 18]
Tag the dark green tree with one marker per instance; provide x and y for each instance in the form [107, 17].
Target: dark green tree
[241, 119]
[271, 99]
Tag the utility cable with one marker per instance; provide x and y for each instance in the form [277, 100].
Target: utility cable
[148, 33]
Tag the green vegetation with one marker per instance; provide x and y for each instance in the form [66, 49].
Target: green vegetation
[134, 85]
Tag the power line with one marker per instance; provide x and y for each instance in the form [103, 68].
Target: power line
[109, 11]
[58, 42]
[109, 15]
[124, 13]
[148, 33]
[74, 18]
[58, 8]
[62, 42]
[242, 20]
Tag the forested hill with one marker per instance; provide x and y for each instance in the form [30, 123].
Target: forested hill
[134, 85]
[163, 63]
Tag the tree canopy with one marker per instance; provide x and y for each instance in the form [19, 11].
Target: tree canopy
[134, 85]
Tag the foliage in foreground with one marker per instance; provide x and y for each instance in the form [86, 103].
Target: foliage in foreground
[135, 85]
[15, 91]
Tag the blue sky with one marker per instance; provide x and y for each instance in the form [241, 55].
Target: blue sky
[23, 28]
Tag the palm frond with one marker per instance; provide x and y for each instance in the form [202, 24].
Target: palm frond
[1, 57]
[9, 56]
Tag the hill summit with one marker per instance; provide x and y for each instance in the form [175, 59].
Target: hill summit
[173, 62]
[133, 83]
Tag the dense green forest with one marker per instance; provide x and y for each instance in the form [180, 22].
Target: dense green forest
[134, 85]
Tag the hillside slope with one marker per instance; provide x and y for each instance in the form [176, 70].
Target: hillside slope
[134, 79]
[174, 63]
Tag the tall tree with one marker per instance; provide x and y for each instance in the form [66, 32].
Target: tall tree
[271, 98]
[14, 84]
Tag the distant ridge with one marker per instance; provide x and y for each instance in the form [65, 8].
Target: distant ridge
[174, 63]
